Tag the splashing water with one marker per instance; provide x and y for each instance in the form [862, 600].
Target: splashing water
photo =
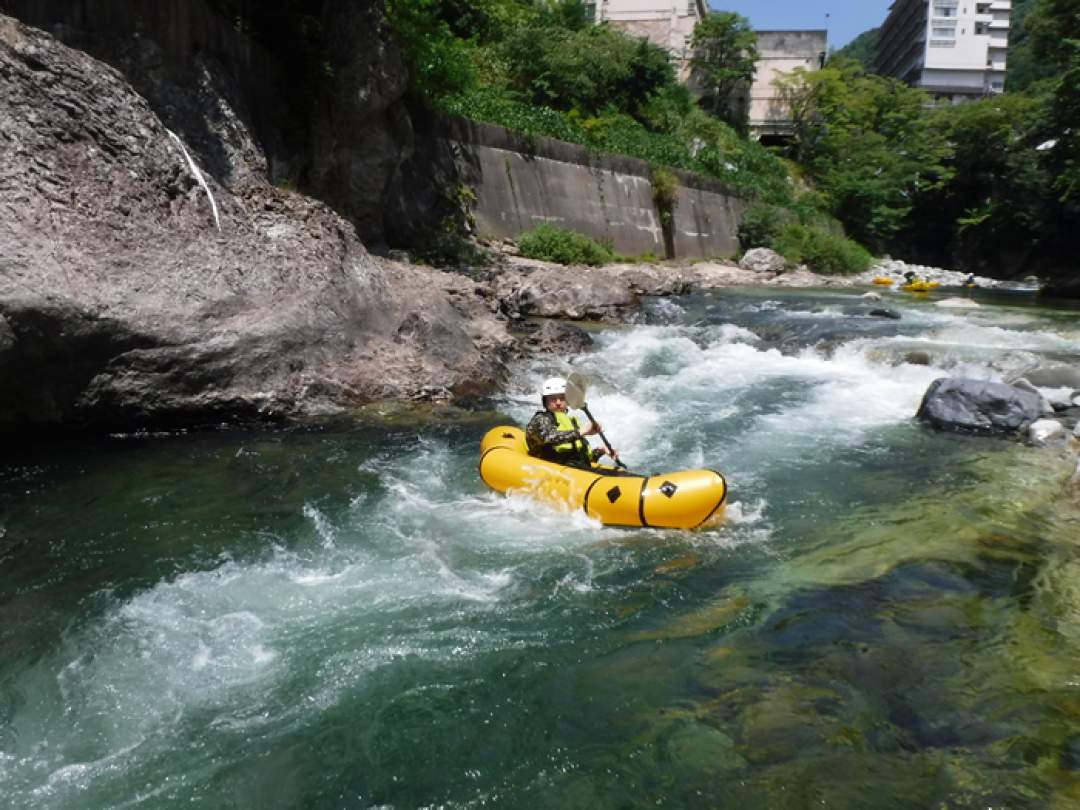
[352, 619]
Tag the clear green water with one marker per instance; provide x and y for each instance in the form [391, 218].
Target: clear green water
[889, 617]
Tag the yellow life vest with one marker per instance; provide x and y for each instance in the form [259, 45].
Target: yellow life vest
[564, 421]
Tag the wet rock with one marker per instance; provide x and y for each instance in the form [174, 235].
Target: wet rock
[572, 293]
[1024, 385]
[763, 260]
[917, 358]
[978, 406]
[871, 296]
[1043, 431]
[885, 313]
[1051, 376]
[551, 337]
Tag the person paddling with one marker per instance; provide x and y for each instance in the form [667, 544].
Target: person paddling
[554, 435]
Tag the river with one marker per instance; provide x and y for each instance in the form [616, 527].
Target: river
[346, 617]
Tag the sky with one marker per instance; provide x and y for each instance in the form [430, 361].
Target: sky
[847, 18]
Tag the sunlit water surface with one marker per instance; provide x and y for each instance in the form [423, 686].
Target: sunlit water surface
[889, 617]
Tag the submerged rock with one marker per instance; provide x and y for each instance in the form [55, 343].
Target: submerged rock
[978, 405]
[885, 313]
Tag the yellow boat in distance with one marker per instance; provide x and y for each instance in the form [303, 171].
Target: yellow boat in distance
[921, 285]
[883, 280]
[688, 499]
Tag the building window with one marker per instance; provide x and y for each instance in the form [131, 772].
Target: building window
[943, 43]
[944, 31]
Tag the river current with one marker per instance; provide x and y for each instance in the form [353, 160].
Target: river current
[347, 617]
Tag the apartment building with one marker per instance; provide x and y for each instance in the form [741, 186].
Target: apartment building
[954, 49]
[780, 52]
[667, 23]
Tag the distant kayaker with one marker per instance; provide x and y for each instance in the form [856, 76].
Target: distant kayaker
[554, 435]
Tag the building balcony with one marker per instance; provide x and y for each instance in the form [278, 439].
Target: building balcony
[999, 25]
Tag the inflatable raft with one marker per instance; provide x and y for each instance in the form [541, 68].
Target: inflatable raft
[921, 286]
[689, 499]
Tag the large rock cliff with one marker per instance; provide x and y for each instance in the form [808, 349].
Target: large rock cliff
[148, 277]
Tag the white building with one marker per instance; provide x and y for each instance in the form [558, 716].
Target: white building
[667, 23]
[955, 49]
[780, 52]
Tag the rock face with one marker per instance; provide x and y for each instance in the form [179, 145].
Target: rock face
[978, 406]
[317, 86]
[122, 302]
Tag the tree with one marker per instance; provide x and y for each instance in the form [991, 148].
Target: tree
[1054, 30]
[863, 49]
[725, 50]
[588, 70]
[867, 143]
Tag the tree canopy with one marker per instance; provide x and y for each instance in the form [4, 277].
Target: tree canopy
[725, 51]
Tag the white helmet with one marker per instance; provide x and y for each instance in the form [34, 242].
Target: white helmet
[555, 385]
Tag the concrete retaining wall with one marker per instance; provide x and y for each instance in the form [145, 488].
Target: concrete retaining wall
[521, 182]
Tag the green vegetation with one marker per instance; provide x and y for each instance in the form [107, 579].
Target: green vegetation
[803, 235]
[991, 186]
[867, 143]
[863, 49]
[542, 69]
[725, 50]
[552, 244]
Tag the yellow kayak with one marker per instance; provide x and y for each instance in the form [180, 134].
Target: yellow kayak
[689, 499]
[883, 280]
[921, 286]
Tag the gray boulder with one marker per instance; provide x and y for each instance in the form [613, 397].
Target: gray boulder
[1052, 376]
[763, 260]
[978, 406]
[573, 293]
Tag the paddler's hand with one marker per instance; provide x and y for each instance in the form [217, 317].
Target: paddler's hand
[592, 429]
[603, 451]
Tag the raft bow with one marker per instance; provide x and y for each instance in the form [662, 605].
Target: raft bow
[688, 499]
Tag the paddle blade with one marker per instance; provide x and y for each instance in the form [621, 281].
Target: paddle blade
[575, 391]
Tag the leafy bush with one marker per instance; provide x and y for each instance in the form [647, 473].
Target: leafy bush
[552, 244]
[761, 225]
[821, 250]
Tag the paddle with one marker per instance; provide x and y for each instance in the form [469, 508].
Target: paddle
[575, 398]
